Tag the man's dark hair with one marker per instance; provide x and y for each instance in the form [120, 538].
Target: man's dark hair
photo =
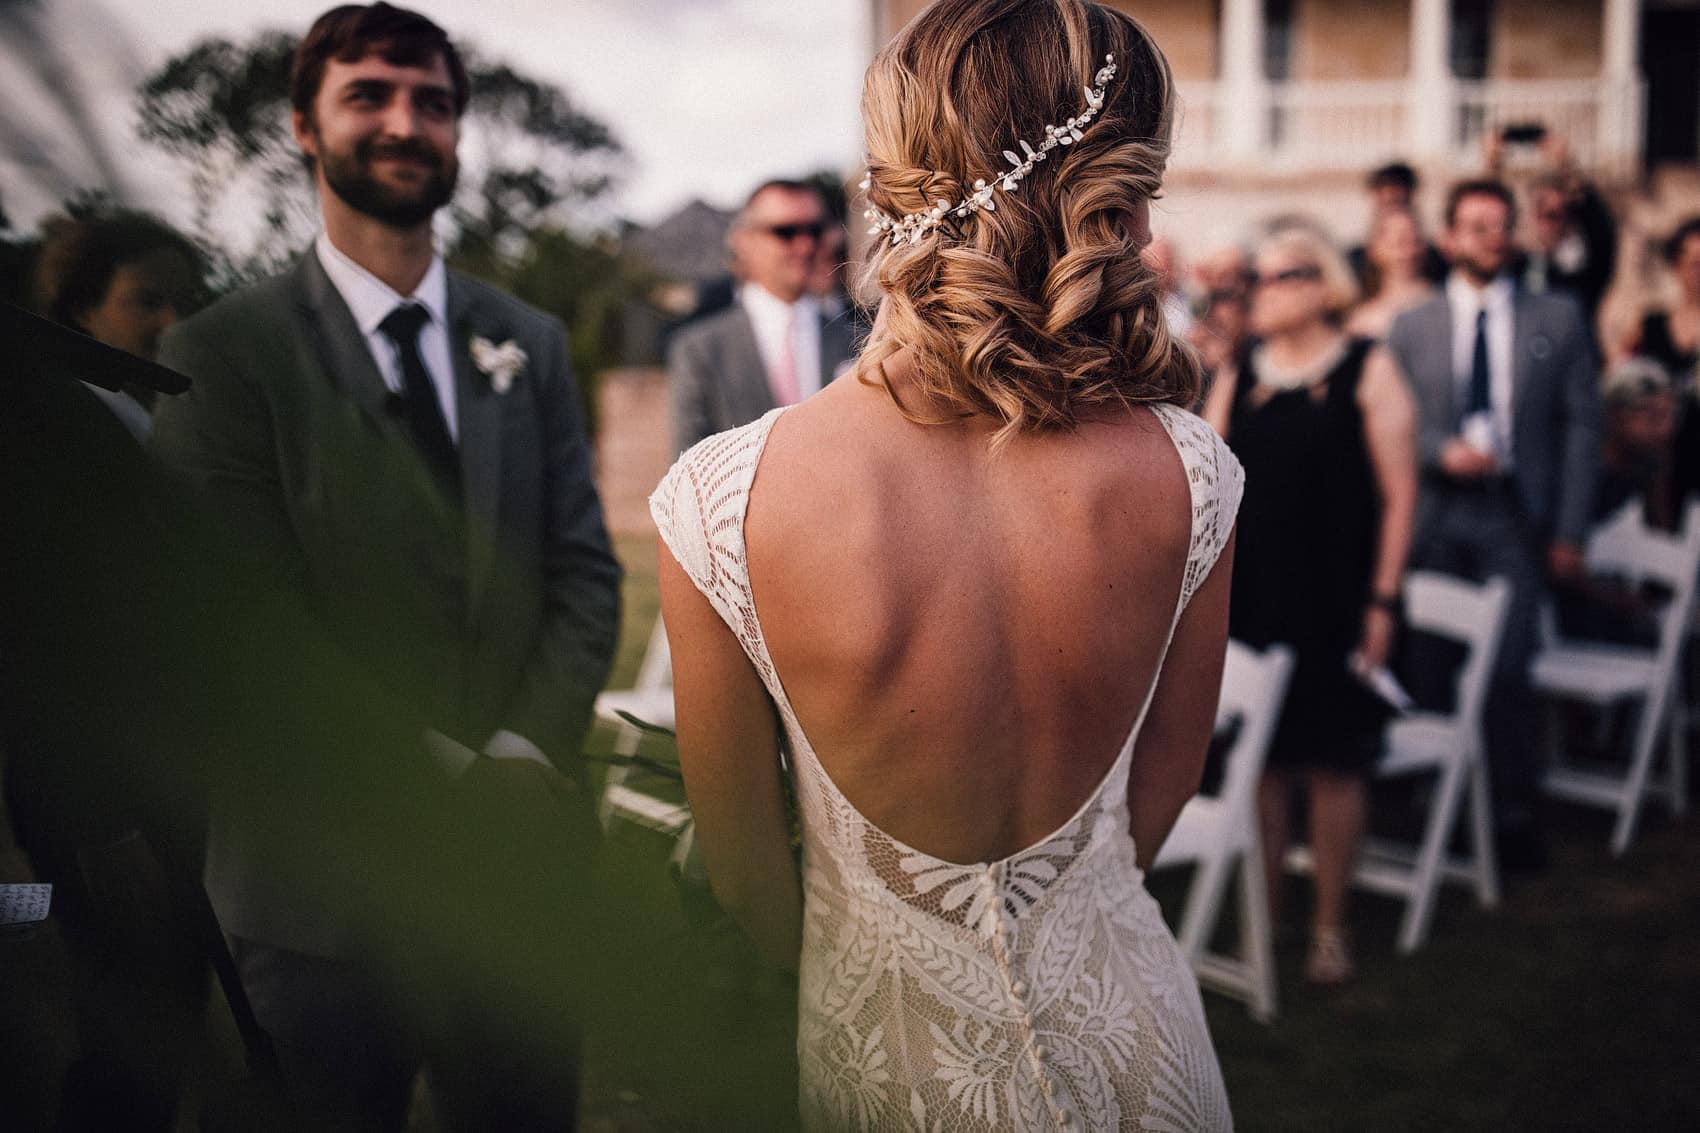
[1480, 187]
[354, 31]
[789, 185]
[1396, 174]
[79, 257]
[1674, 242]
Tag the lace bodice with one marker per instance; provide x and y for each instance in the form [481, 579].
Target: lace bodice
[1039, 991]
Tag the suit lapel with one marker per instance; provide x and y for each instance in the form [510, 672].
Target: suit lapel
[480, 440]
[746, 371]
[336, 339]
[1438, 331]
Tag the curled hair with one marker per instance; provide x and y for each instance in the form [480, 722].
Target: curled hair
[1041, 312]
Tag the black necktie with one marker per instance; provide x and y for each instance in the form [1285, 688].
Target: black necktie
[1481, 396]
[420, 408]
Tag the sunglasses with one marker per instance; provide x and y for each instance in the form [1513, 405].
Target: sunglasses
[1306, 274]
[789, 232]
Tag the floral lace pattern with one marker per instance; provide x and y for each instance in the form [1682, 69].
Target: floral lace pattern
[1039, 991]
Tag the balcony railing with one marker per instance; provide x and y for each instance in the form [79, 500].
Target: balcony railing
[1354, 124]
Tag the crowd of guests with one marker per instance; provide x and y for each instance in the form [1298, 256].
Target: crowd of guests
[1449, 406]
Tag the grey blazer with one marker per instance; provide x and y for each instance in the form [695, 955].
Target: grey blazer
[716, 377]
[1555, 406]
[499, 610]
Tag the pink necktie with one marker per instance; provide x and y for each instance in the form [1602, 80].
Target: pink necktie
[783, 380]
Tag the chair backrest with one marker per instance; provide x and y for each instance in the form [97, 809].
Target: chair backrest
[1254, 686]
[1627, 546]
[656, 670]
[1470, 613]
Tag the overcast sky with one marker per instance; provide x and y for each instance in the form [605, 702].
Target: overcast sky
[708, 96]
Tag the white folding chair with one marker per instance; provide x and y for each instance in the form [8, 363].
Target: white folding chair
[1449, 745]
[1602, 675]
[1218, 831]
[650, 699]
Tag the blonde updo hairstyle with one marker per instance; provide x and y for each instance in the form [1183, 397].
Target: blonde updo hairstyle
[1039, 313]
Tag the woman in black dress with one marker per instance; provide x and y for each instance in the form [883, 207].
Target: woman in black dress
[1326, 430]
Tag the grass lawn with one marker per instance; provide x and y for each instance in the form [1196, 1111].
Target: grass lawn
[1574, 1006]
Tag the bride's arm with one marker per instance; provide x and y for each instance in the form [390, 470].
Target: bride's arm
[729, 750]
[1168, 759]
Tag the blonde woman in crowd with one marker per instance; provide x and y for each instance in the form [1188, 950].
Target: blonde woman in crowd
[1326, 430]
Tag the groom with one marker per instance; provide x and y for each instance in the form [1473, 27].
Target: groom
[403, 447]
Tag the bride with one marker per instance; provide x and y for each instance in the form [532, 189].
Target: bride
[974, 603]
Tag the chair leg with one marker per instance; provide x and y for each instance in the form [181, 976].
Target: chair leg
[626, 744]
[682, 846]
[1678, 754]
[1647, 735]
[1204, 905]
[1257, 935]
[1426, 874]
[1481, 834]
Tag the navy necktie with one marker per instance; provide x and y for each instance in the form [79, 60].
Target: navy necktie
[1480, 398]
[420, 408]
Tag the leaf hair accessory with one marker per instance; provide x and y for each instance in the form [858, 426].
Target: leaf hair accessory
[912, 228]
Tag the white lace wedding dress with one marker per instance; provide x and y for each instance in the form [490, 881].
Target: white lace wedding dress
[1040, 991]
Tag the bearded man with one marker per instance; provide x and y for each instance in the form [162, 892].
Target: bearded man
[402, 448]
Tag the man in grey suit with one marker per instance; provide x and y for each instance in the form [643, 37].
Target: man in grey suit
[401, 446]
[1509, 449]
[774, 346]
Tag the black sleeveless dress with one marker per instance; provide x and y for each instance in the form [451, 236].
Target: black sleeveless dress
[1306, 551]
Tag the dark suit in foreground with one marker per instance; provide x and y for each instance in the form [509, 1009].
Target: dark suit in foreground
[488, 606]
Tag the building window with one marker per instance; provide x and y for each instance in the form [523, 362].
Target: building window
[1278, 60]
[1472, 38]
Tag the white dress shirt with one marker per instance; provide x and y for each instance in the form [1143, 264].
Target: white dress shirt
[772, 317]
[1466, 301]
[371, 300]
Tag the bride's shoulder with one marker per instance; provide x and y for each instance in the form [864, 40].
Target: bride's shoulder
[707, 488]
[1216, 479]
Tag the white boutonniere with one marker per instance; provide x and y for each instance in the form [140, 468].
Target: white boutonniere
[500, 363]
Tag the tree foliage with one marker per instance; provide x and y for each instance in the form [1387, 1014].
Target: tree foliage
[534, 172]
[530, 157]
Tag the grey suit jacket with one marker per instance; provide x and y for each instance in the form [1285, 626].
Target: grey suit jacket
[1555, 406]
[716, 377]
[497, 610]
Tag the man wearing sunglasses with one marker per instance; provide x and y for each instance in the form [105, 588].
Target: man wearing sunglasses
[774, 346]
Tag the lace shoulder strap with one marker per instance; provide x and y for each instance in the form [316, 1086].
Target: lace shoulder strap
[1217, 482]
[699, 510]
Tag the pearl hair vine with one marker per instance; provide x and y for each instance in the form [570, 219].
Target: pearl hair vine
[911, 229]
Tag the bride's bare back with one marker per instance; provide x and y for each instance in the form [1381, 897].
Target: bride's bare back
[967, 637]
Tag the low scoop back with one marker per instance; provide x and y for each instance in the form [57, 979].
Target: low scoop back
[702, 508]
